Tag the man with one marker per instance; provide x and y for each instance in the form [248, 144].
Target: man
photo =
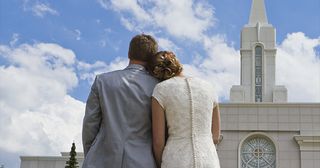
[117, 123]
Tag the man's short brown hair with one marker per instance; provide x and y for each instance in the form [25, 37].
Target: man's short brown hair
[142, 47]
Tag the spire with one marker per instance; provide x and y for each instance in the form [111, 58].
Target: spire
[258, 13]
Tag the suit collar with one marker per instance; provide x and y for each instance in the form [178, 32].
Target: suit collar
[135, 66]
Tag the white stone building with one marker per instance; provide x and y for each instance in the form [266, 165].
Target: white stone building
[48, 161]
[260, 129]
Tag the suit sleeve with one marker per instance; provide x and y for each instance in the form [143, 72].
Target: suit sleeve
[92, 118]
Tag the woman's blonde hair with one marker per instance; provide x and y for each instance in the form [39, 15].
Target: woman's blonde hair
[164, 65]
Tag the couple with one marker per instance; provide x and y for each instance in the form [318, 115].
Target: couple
[133, 121]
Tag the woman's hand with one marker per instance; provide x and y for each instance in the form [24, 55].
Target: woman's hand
[217, 140]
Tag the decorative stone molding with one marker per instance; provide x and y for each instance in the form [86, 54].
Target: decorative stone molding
[308, 143]
[64, 156]
[270, 104]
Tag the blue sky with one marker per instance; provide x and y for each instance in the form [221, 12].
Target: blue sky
[103, 37]
[51, 50]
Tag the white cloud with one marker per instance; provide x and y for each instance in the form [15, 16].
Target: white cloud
[221, 56]
[166, 44]
[47, 129]
[133, 7]
[220, 67]
[73, 33]
[104, 3]
[190, 19]
[128, 24]
[105, 39]
[36, 110]
[38, 8]
[77, 34]
[14, 39]
[298, 67]
[89, 71]
[184, 18]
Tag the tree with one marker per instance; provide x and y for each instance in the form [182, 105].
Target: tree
[72, 162]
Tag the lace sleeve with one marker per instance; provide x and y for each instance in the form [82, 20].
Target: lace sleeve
[158, 94]
[215, 98]
[214, 95]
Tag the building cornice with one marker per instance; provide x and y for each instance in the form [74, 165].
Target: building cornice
[270, 104]
[250, 50]
[64, 156]
[308, 143]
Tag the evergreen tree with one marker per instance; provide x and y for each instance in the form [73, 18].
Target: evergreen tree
[72, 162]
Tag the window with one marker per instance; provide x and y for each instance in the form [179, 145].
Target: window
[258, 74]
[258, 151]
[258, 80]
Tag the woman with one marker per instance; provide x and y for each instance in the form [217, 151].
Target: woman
[188, 108]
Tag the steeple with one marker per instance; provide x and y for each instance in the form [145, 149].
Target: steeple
[258, 61]
[258, 13]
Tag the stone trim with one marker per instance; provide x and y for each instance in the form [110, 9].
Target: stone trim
[270, 104]
[64, 156]
[308, 143]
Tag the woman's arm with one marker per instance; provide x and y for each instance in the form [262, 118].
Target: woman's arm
[158, 131]
[216, 124]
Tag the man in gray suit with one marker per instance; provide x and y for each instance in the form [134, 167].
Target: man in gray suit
[117, 123]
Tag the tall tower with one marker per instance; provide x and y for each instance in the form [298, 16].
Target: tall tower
[258, 56]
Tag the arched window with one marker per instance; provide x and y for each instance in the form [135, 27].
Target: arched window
[257, 151]
[258, 74]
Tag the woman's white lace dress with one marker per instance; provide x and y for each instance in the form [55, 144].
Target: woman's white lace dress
[188, 104]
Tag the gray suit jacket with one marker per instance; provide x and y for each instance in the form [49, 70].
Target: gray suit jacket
[117, 123]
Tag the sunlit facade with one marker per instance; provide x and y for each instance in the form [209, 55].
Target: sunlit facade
[260, 128]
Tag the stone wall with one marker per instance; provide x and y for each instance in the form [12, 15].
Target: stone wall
[294, 128]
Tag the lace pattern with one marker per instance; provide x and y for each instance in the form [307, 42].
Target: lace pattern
[188, 104]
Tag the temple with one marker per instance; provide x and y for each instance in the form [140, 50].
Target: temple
[258, 61]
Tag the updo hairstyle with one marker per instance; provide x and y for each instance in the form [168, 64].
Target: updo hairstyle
[164, 65]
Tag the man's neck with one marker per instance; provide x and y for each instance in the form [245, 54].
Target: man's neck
[138, 62]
